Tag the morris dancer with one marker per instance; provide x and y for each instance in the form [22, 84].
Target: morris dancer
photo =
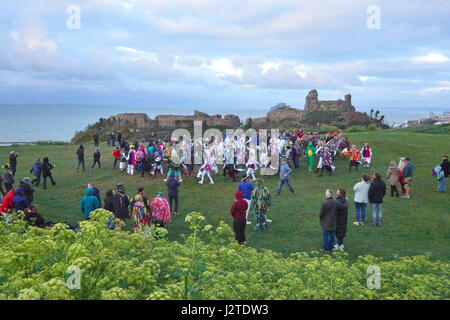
[366, 153]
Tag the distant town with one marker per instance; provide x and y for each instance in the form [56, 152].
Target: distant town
[431, 119]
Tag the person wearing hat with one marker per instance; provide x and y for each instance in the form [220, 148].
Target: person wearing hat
[13, 162]
[121, 202]
[310, 152]
[8, 178]
[27, 189]
[36, 170]
[260, 204]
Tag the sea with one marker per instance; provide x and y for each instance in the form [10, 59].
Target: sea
[32, 123]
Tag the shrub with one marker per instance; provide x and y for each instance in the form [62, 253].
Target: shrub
[328, 129]
[208, 264]
[356, 129]
[372, 127]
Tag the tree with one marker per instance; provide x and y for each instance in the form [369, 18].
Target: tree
[382, 118]
[377, 113]
[280, 105]
[371, 111]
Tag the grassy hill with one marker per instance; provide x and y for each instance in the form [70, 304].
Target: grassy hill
[411, 226]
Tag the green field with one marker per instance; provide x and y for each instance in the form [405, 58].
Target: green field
[412, 226]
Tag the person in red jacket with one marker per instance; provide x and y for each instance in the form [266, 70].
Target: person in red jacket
[238, 211]
[7, 204]
[116, 155]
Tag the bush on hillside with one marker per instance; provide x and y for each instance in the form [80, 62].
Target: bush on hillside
[34, 264]
[328, 129]
[356, 129]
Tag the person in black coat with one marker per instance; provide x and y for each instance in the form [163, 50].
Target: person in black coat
[95, 137]
[328, 220]
[377, 191]
[172, 191]
[96, 192]
[445, 166]
[80, 156]
[13, 162]
[47, 173]
[109, 205]
[121, 203]
[96, 158]
[342, 215]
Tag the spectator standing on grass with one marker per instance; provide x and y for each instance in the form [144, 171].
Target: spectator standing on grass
[96, 156]
[328, 221]
[377, 192]
[95, 138]
[116, 155]
[36, 170]
[238, 212]
[89, 203]
[361, 199]
[445, 167]
[407, 175]
[80, 155]
[172, 191]
[246, 187]
[96, 192]
[13, 162]
[8, 178]
[392, 178]
[342, 217]
[121, 203]
[109, 205]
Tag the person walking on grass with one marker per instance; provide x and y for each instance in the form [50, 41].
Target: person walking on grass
[47, 168]
[361, 199]
[342, 216]
[445, 168]
[407, 175]
[89, 203]
[36, 170]
[328, 221]
[392, 178]
[95, 138]
[80, 156]
[172, 191]
[310, 152]
[285, 171]
[246, 187]
[96, 156]
[238, 212]
[377, 192]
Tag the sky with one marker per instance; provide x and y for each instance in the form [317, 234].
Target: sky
[231, 54]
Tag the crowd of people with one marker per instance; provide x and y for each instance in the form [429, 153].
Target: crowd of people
[238, 157]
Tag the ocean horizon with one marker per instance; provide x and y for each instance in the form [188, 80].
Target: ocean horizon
[32, 123]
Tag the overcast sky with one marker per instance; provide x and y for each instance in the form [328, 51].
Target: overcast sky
[226, 53]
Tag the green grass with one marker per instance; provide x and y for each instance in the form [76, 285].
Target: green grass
[411, 226]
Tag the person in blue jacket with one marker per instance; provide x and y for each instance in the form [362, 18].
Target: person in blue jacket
[36, 170]
[246, 187]
[89, 203]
